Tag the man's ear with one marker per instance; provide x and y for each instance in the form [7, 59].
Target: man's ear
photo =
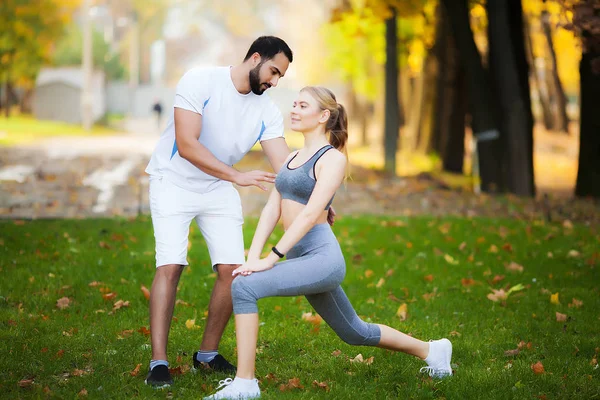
[255, 59]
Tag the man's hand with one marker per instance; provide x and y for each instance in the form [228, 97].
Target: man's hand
[331, 216]
[251, 266]
[253, 178]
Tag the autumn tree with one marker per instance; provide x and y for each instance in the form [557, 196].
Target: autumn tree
[29, 30]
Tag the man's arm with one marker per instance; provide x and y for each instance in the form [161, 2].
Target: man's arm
[188, 126]
[276, 151]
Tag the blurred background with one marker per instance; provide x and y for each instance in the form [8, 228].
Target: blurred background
[496, 96]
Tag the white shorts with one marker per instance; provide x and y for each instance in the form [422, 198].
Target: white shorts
[218, 214]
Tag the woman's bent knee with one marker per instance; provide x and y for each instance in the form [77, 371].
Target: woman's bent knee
[366, 335]
[243, 297]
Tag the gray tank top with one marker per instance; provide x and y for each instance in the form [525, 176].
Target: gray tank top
[297, 184]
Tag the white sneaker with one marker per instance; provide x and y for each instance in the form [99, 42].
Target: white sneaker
[438, 359]
[236, 389]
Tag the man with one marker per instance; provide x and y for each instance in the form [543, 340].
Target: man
[219, 114]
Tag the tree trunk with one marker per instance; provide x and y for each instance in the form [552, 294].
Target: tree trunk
[392, 106]
[453, 153]
[561, 117]
[588, 173]
[7, 99]
[517, 31]
[515, 126]
[540, 84]
[427, 115]
[484, 119]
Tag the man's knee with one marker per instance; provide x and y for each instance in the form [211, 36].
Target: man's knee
[224, 271]
[169, 272]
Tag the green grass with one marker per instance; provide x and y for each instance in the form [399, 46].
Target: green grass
[19, 129]
[65, 351]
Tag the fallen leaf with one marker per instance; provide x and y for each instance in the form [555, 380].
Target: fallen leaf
[462, 246]
[428, 278]
[554, 299]
[94, 284]
[146, 292]
[293, 383]
[512, 352]
[497, 295]
[454, 333]
[183, 303]
[63, 303]
[380, 283]
[82, 393]
[370, 300]
[370, 360]
[537, 368]
[78, 372]
[402, 311]
[567, 224]
[25, 383]
[507, 247]
[60, 353]
[513, 266]
[357, 359]
[109, 296]
[144, 331]
[191, 324]
[321, 385]
[126, 333]
[389, 272]
[493, 249]
[450, 260]
[576, 303]
[561, 317]
[270, 377]
[466, 282]
[104, 245]
[550, 255]
[368, 273]
[120, 303]
[336, 353]
[573, 254]
[313, 319]
[497, 278]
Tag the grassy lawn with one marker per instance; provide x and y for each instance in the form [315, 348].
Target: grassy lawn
[442, 269]
[20, 129]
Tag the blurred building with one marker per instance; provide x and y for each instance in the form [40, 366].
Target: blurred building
[57, 95]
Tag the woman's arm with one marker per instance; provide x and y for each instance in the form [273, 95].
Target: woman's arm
[330, 176]
[332, 167]
[268, 219]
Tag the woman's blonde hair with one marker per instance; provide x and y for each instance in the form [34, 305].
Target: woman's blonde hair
[337, 124]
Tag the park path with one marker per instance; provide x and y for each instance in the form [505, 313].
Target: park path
[102, 176]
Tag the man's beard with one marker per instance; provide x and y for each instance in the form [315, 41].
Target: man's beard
[255, 85]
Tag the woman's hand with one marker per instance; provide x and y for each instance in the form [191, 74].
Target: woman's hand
[251, 266]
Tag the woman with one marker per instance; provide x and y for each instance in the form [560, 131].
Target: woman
[315, 266]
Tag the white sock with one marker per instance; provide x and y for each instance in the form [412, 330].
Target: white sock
[431, 354]
[206, 356]
[156, 363]
[245, 383]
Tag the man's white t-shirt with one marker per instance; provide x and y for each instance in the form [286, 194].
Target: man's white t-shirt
[231, 124]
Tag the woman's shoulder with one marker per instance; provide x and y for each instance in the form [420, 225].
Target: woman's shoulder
[334, 157]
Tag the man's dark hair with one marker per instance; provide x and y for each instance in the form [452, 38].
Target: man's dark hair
[268, 47]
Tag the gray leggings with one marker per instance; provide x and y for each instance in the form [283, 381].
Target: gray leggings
[315, 268]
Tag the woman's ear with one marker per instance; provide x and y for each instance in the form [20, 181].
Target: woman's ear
[324, 116]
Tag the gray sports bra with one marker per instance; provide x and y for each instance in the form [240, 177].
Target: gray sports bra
[298, 183]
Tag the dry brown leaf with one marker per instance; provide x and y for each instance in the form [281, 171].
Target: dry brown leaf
[389, 272]
[191, 324]
[428, 278]
[25, 383]
[368, 273]
[119, 304]
[357, 359]
[537, 368]
[497, 278]
[466, 282]
[507, 247]
[561, 317]
[94, 284]
[462, 246]
[454, 333]
[270, 377]
[493, 249]
[497, 295]
[144, 331]
[104, 245]
[146, 292]
[109, 296]
[63, 303]
[573, 254]
[60, 353]
[370, 360]
[321, 385]
[336, 353]
[293, 383]
[380, 283]
[576, 303]
[183, 303]
[513, 266]
[512, 352]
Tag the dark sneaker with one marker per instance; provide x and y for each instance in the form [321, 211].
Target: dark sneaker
[159, 377]
[219, 364]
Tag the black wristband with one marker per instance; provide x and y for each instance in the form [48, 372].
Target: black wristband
[277, 252]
